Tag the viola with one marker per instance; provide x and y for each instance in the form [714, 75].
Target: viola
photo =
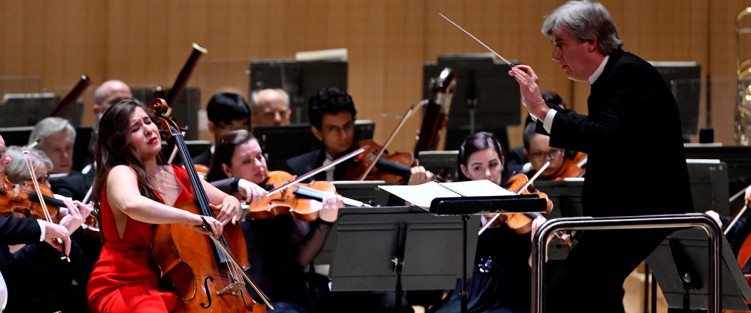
[206, 275]
[301, 200]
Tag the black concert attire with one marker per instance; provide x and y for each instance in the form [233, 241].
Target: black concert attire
[501, 276]
[276, 247]
[326, 301]
[38, 279]
[630, 106]
[76, 185]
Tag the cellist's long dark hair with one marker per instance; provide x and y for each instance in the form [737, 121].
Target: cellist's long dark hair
[113, 148]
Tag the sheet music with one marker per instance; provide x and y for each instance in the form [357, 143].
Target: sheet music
[421, 195]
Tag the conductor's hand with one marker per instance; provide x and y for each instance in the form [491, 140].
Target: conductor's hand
[54, 231]
[251, 192]
[229, 210]
[419, 175]
[330, 210]
[529, 90]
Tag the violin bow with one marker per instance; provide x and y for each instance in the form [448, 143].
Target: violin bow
[406, 116]
[529, 182]
[30, 166]
[318, 170]
[740, 212]
[476, 39]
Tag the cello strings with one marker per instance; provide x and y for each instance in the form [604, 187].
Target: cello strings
[232, 260]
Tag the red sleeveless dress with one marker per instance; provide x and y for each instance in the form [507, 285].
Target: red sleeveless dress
[125, 278]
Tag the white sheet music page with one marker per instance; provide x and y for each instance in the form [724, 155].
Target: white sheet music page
[422, 195]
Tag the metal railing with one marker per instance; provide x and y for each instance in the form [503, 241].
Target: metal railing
[700, 220]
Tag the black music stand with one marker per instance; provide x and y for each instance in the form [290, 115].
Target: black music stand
[467, 206]
[396, 248]
[679, 266]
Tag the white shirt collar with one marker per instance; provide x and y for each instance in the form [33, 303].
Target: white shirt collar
[600, 69]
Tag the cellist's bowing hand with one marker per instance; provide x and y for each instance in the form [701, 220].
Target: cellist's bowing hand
[229, 210]
[330, 209]
[250, 192]
[207, 225]
[419, 175]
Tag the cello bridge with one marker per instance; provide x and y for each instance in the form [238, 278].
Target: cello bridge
[233, 288]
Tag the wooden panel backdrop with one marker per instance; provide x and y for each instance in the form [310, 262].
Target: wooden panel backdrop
[146, 42]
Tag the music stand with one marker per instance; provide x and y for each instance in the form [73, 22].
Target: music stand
[679, 265]
[397, 248]
[467, 206]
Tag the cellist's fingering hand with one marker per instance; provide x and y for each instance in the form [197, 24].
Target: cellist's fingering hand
[748, 195]
[229, 210]
[251, 192]
[330, 210]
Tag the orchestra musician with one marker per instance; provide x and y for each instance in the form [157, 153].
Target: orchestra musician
[136, 190]
[501, 274]
[332, 115]
[332, 120]
[226, 111]
[563, 163]
[38, 280]
[56, 137]
[280, 247]
[106, 95]
[517, 160]
[629, 106]
[270, 106]
[15, 230]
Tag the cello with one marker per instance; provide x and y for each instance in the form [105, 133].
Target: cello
[216, 284]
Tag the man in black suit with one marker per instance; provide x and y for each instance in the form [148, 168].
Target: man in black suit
[630, 109]
[226, 111]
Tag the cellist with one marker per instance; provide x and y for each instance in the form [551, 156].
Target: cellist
[135, 190]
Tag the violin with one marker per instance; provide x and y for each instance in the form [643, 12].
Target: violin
[203, 269]
[396, 167]
[393, 168]
[521, 223]
[301, 200]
